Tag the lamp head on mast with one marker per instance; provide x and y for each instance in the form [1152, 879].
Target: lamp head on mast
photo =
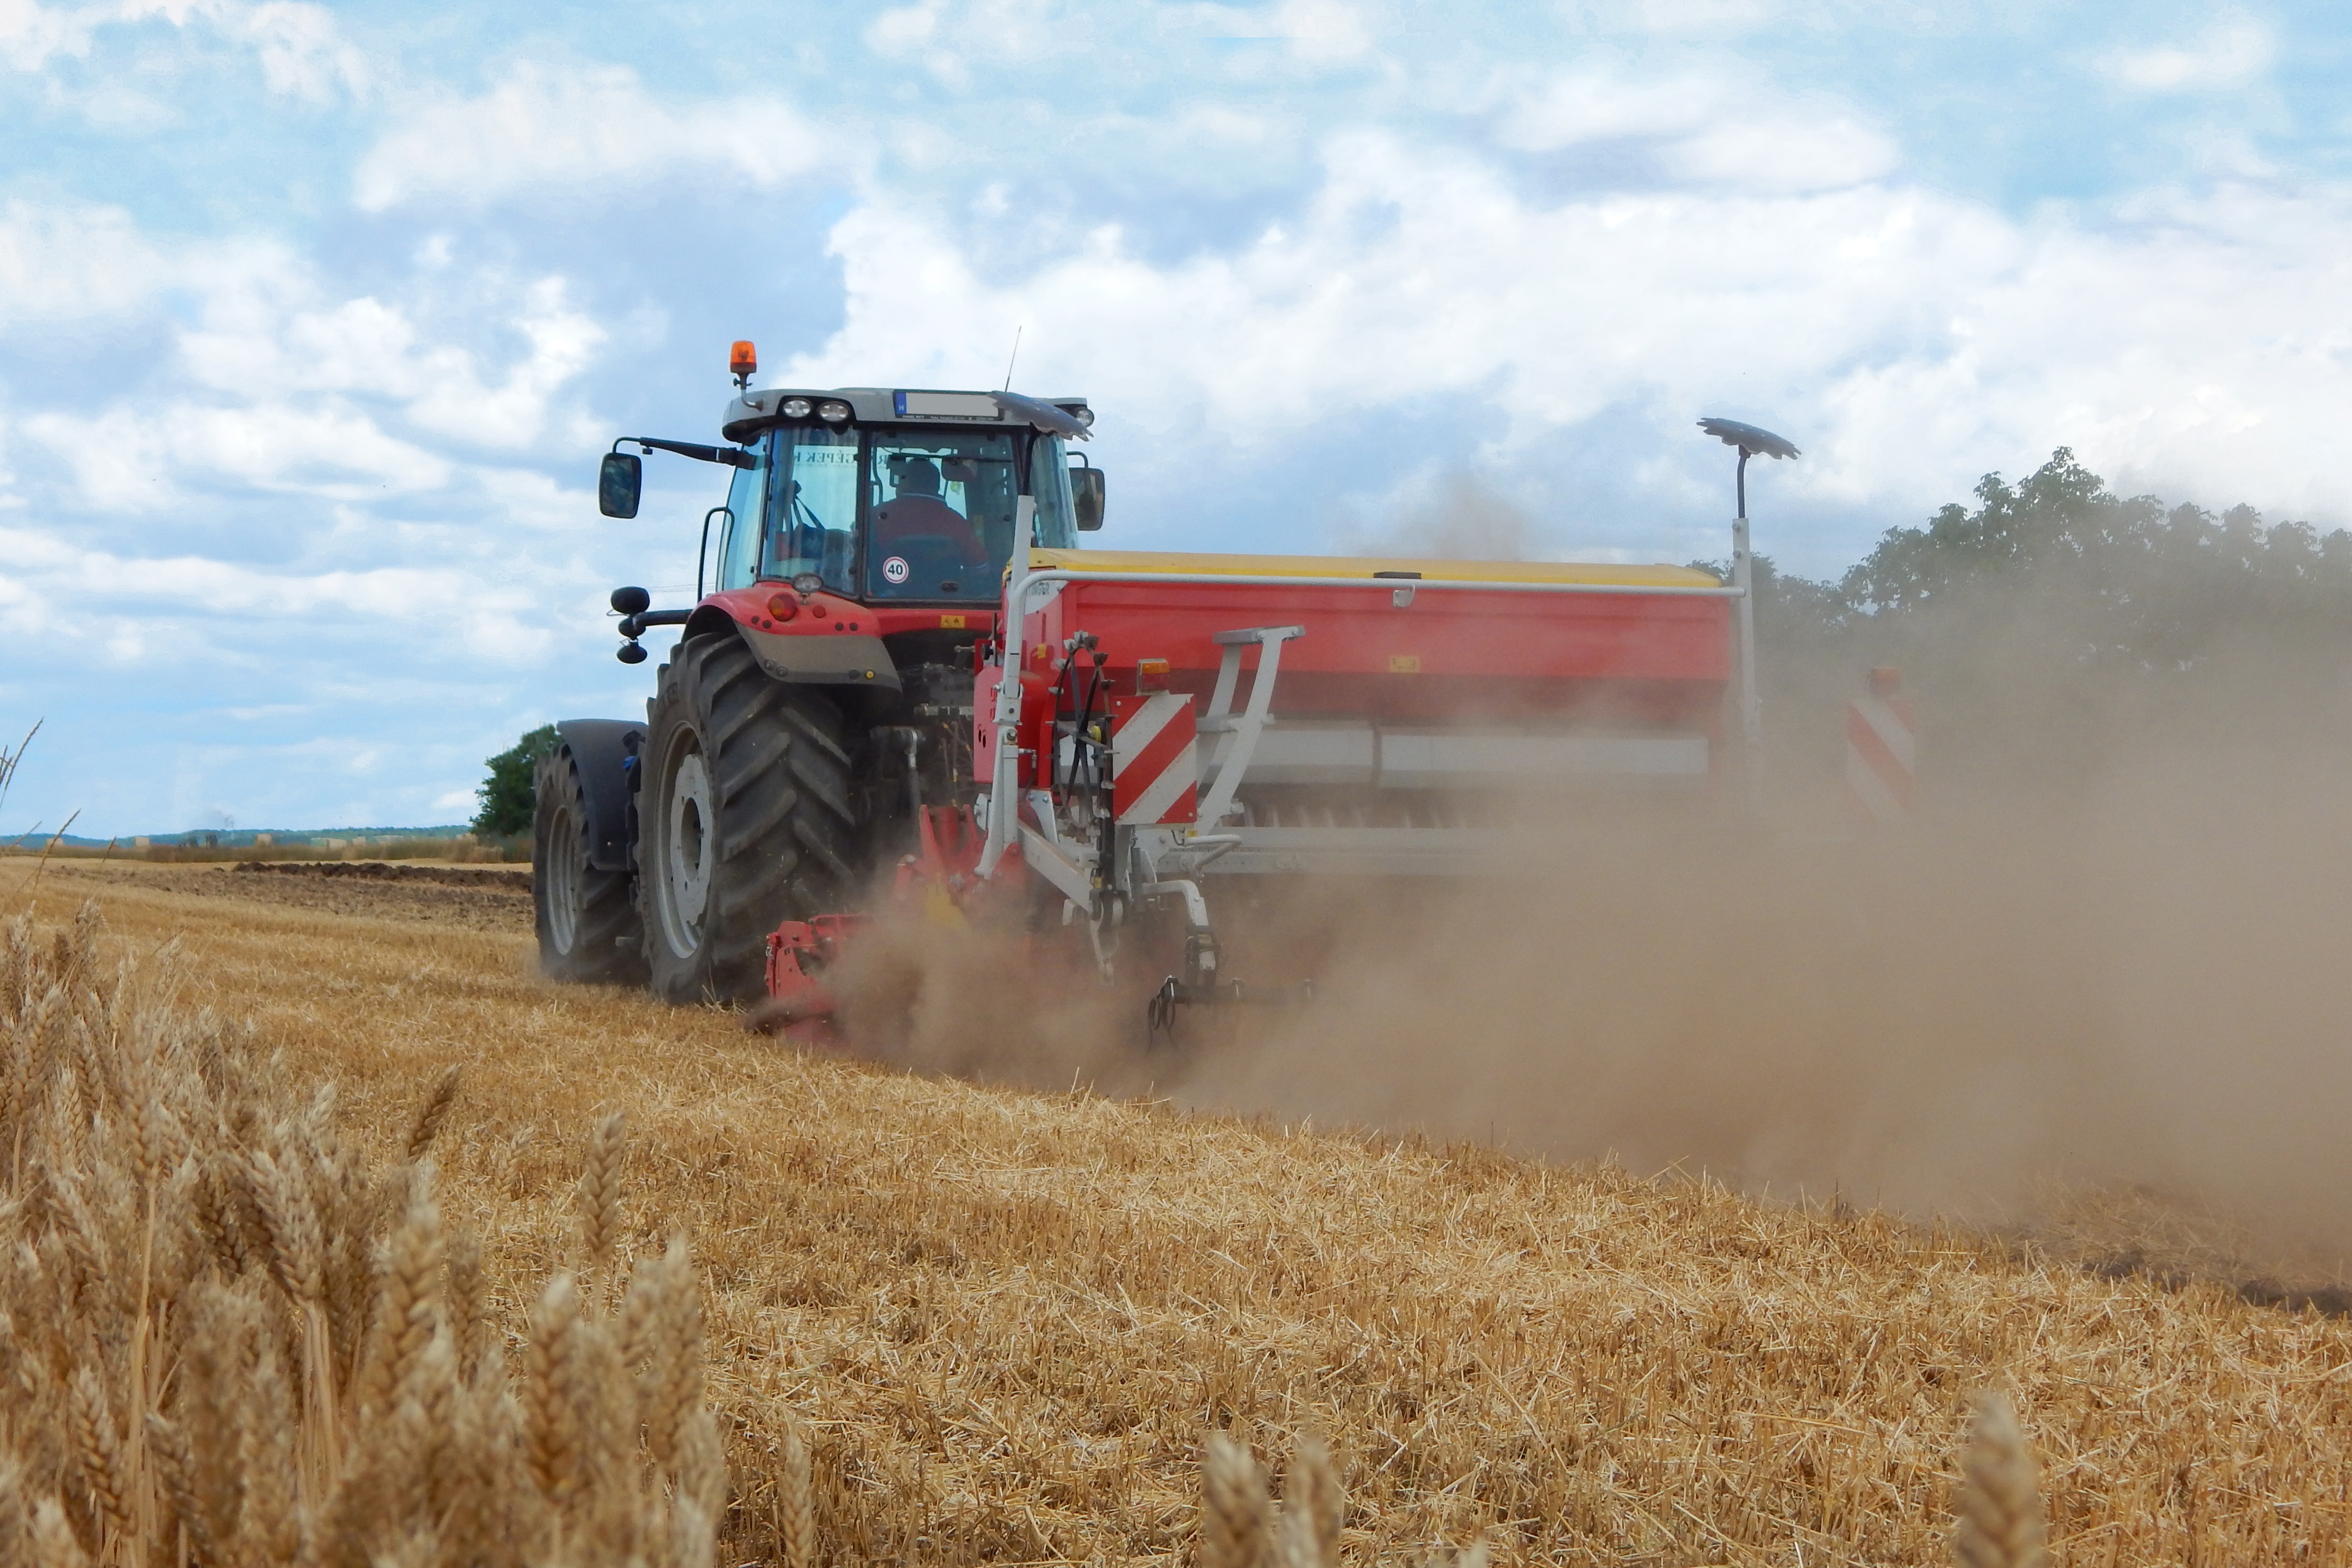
[1750, 440]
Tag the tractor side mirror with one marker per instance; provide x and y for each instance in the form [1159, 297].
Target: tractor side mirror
[618, 482]
[1086, 497]
[632, 601]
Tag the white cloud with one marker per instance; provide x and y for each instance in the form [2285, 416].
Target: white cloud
[130, 460]
[1913, 339]
[1319, 32]
[542, 128]
[30, 33]
[531, 499]
[298, 47]
[248, 346]
[64, 262]
[169, 585]
[301, 50]
[946, 39]
[901, 32]
[2234, 52]
[1703, 129]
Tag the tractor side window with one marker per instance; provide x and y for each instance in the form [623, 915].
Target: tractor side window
[812, 506]
[1049, 481]
[739, 547]
[940, 506]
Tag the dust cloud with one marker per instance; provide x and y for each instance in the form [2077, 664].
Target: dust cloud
[2108, 955]
[1463, 519]
[2144, 990]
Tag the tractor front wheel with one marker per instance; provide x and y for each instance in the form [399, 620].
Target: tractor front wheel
[744, 819]
[587, 918]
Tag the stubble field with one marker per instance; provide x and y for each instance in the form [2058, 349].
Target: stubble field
[1008, 1320]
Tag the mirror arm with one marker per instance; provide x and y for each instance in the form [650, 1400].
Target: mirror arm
[729, 456]
[634, 627]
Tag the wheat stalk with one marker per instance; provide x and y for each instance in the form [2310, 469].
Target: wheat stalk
[289, 1226]
[1313, 1507]
[175, 1468]
[98, 1447]
[434, 1111]
[599, 1194]
[1236, 1515]
[467, 1306]
[1999, 1497]
[54, 1545]
[407, 1310]
[797, 1499]
[551, 1424]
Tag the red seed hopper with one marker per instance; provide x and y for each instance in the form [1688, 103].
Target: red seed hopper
[1181, 719]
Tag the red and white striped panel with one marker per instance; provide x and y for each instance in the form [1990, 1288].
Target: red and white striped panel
[1155, 766]
[1881, 748]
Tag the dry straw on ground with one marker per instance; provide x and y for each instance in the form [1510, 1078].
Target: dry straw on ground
[228, 1339]
[948, 1325]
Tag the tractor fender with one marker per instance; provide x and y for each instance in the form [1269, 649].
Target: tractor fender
[605, 751]
[822, 659]
[807, 658]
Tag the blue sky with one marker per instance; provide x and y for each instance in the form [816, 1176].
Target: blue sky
[313, 319]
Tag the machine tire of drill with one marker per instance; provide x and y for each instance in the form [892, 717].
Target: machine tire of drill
[744, 821]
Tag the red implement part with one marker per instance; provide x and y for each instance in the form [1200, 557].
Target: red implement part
[946, 861]
[800, 1005]
[1626, 659]
[932, 883]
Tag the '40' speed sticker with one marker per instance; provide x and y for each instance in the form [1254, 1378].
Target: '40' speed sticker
[895, 569]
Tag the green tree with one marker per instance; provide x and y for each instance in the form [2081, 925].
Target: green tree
[510, 794]
[2122, 581]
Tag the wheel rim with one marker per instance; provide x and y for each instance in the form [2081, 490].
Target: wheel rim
[689, 846]
[561, 869]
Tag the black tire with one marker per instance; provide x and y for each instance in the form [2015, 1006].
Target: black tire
[744, 821]
[587, 918]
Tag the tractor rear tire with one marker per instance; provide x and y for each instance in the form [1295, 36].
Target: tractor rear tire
[744, 819]
[587, 918]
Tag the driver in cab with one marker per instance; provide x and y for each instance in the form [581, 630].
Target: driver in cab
[917, 514]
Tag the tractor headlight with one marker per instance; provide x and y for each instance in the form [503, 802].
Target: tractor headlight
[832, 412]
[795, 408]
[1084, 416]
[807, 583]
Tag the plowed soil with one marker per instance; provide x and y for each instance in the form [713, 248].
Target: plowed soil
[469, 898]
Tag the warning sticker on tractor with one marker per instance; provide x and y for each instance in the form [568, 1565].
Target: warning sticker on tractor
[895, 569]
[1404, 664]
[951, 623]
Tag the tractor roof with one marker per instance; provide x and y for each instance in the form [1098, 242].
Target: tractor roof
[754, 411]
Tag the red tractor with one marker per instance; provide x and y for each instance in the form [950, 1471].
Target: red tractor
[908, 666]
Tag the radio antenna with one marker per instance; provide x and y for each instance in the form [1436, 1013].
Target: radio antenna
[1015, 358]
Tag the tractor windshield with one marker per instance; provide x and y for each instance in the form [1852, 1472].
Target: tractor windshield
[923, 512]
[942, 507]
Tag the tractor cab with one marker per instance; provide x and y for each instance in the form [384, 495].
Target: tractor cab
[884, 496]
[890, 512]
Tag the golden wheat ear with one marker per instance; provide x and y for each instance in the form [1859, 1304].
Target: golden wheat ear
[1313, 1507]
[1999, 1500]
[434, 1111]
[798, 1526]
[600, 1195]
[1236, 1515]
[54, 1545]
